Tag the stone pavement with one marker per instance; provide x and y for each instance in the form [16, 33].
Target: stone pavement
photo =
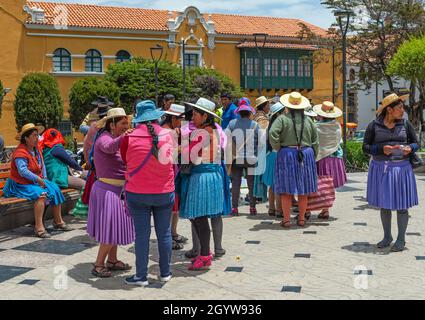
[335, 259]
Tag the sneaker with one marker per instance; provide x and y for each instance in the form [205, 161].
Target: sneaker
[201, 263]
[135, 281]
[235, 211]
[165, 279]
[253, 211]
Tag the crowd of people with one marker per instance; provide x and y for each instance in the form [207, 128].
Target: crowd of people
[187, 161]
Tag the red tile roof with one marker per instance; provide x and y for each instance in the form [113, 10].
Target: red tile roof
[278, 45]
[95, 16]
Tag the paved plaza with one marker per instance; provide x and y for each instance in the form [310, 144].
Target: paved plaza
[335, 259]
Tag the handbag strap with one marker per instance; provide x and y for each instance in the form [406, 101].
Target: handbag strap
[135, 171]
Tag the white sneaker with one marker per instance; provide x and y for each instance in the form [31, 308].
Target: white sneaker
[165, 279]
[135, 281]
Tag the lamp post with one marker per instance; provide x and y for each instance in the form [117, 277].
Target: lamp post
[263, 38]
[343, 18]
[182, 44]
[156, 55]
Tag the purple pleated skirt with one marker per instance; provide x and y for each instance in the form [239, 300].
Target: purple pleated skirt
[332, 166]
[293, 177]
[107, 221]
[391, 185]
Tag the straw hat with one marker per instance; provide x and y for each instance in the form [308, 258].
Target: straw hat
[112, 113]
[327, 110]
[260, 100]
[294, 100]
[204, 105]
[175, 110]
[391, 99]
[29, 126]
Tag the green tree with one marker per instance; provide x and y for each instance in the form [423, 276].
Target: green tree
[376, 31]
[38, 100]
[409, 63]
[84, 92]
[136, 79]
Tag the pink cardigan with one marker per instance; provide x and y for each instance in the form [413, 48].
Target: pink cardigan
[157, 176]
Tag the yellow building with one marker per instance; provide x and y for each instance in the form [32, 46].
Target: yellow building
[72, 41]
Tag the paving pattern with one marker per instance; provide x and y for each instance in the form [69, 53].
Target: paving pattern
[334, 259]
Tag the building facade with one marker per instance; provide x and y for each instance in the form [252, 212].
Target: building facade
[72, 41]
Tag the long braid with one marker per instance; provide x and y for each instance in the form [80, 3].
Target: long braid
[154, 149]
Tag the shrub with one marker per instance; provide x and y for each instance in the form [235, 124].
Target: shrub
[38, 100]
[84, 92]
[356, 157]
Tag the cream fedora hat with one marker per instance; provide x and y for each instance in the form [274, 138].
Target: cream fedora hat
[294, 100]
[204, 105]
[112, 113]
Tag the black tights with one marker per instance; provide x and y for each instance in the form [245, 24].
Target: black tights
[203, 231]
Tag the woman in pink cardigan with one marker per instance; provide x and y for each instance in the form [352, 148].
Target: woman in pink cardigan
[148, 153]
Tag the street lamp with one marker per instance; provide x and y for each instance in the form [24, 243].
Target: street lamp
[343, 18]
[182, 44]
[260, 41]
[156, 54]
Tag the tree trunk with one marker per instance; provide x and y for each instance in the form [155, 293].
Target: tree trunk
[390, 82]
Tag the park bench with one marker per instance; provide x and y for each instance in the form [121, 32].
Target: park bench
[17, 212]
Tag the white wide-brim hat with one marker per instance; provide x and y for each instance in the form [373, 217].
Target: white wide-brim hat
[327, 110]
[204, 105]
[112, 113]
[294, 100]
[310, 112]
[175, 110]
[260, 100]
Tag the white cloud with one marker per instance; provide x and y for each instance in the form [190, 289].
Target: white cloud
[307, 10]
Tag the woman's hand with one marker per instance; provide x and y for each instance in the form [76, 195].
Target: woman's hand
[388, 150]
[128, 131]
[407, 150]
[41, 183]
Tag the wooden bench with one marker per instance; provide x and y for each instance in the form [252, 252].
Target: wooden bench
[17, 212]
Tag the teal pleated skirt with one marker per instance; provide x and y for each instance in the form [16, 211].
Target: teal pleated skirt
[203, 193]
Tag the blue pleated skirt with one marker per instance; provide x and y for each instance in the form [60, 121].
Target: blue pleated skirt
[268, 176]
[293, 177]
[203, 193]
[391, 185]
[33, 191]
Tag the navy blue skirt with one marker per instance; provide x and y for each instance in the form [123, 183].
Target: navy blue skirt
[391, 185]
[292, 176]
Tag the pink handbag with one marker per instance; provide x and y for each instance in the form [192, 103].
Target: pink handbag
[325, 195]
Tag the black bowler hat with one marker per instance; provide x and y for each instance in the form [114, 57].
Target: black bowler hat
[101, 100]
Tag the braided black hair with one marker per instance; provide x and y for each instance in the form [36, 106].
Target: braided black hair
[299, 138]
[155, 139]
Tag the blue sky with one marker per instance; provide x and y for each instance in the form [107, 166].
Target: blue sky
[308, 10]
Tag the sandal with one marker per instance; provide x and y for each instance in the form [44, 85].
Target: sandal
[177, 246]
[118, 265]
[272, 212]
[285, 224]
[191, 254]
[43, 234]
[180, 239]
[102, 273]
[301, 223]
[63, 226]
[324, 215]
[279, 214]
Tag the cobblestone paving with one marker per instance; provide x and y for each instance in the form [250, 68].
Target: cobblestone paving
[335, 259]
